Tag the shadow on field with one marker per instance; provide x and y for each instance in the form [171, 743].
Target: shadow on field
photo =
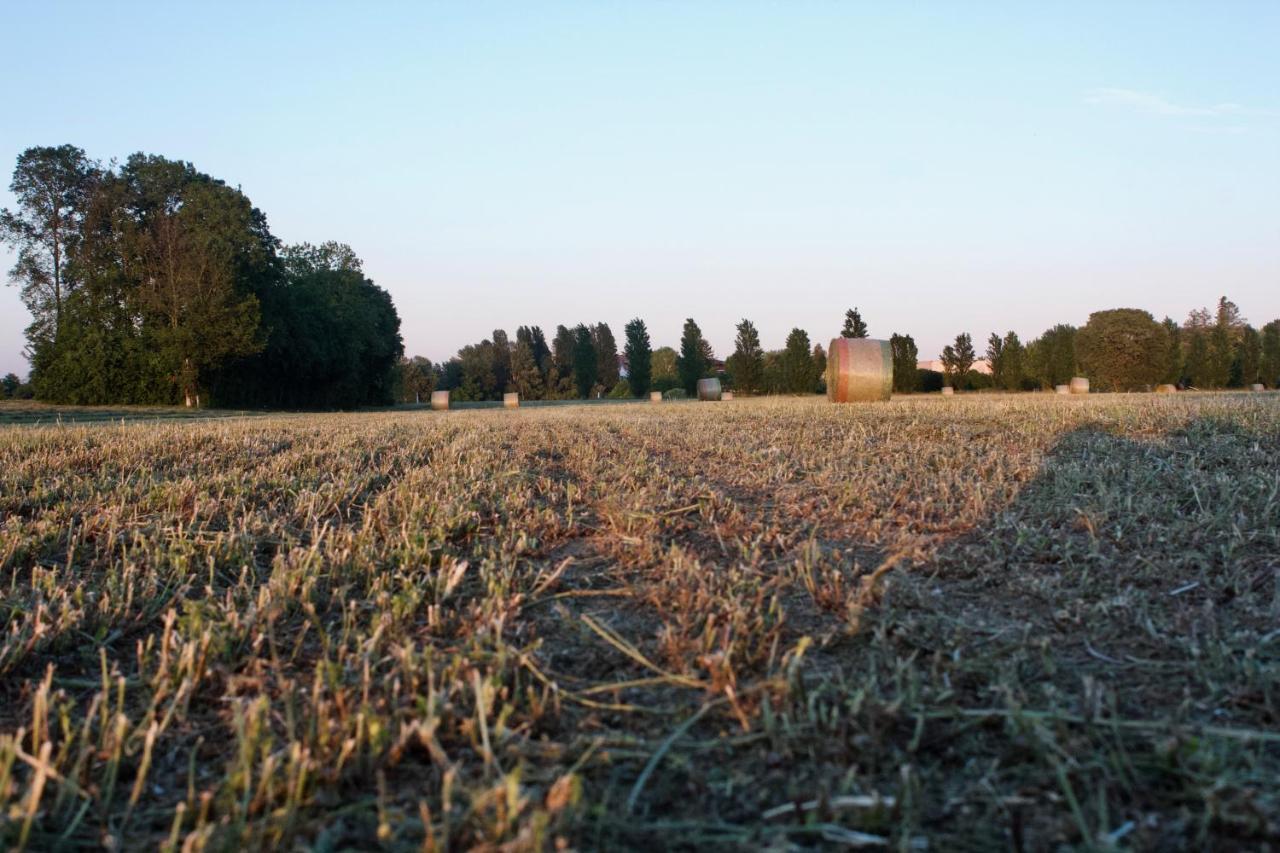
[1096, 665]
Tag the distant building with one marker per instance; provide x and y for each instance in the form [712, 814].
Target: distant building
[981, 365]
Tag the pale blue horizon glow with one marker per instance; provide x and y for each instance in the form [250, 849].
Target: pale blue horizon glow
[944, 167]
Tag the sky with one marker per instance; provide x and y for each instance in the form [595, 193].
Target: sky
[945, 167]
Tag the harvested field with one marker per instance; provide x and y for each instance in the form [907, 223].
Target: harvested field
[1025, 622]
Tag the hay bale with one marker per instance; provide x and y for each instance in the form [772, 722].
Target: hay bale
[859, 370]
[511, 400]
[439, 400]
[1079, 385]
[655, 396]
[1166, 389]
[1062, 389]
[709, 389]
[948, 391]
[1257, 386]
[726, 396]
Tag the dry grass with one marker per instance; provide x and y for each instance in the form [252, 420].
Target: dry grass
[977, 623]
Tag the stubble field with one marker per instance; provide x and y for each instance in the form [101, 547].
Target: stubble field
[982, 623]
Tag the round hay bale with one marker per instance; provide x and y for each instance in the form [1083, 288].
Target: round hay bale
[439, 400]
[1257, 386]
[709, 389]
[1166, 388]
[726, 396]
[948, 391]
[511, 400]
[1079, 385]
[1062, 389]
[859, 370]
[655, 396]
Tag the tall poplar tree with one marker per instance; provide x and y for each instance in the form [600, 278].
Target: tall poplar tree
[639, 352]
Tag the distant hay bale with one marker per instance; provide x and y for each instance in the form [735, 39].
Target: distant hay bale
[1166, 388]
[511, 400]
[726, 396]
[948, 391]
[1062, 389]
[1257, 386]
[439, 400]
[709, 389]
[859, 370]
[1079, 385]
[655, 396]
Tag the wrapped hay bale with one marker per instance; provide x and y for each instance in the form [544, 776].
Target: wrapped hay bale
[948, 391]
[726, 396]
[709, 389]
[1257, 386]
[1079, 385]
[859, 370]
[1062, 389]
[439, 400]
[1166, 389]
[655, 396]
[511, 400]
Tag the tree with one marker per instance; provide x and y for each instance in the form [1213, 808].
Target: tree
[1013, 362]
[853, 325]
[479, 381]
[52, 186]
[526, 378]
[995, 353]
[1269, 366]
[606, 355]
[186, 237]
[1173, 360]
[746, 364]
[584, 361]
[416, 379]
[1217, 370]
[1247, 365]
[798, 373]
[332, 339]
[9, 385]
[1051, 358]
[502, 360]
[1123, 349]
[639, 358]
[957, 359]
[560, 374]
[906, 357]
[665, 373]
[695, 357]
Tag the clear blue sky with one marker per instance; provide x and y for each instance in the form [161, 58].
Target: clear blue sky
[946, 167]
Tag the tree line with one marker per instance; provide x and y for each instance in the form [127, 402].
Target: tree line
[1127, 349]
[583, 361]
[150, 282]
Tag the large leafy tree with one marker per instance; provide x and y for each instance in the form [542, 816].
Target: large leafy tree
[958, 359]
[415, 379]
[52, 187]
[694, 361]
[191, 243]
[854, 327]
[1123, 349]
[906, 374]
[639, 352]
[560, 373]
[584, 361]
[799, 375]
[746, 364]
